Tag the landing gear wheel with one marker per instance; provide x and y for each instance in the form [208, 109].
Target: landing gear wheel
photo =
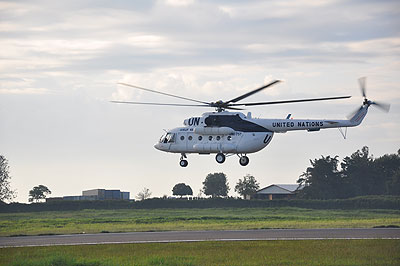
[183, 163]
[244, 160]
[220, 157]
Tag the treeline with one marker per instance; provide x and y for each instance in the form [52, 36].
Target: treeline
[366, 202]
[359, 175]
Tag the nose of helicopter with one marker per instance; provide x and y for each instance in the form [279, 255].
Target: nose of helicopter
[157, 146]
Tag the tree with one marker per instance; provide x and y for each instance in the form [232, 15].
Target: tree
[247, 186]
[361, 172]
[144, 194]
[388, 168]
[393, 185]
[216, 185]
[323, 180]
[182, 189]
[38, 193]
[360, 175]
[6, 193]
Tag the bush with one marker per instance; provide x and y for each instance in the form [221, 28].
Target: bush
[363, 202]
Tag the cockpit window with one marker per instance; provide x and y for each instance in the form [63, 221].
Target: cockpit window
[162, 138]
[168, 138]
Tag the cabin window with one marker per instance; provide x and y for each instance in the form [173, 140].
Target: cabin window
[229, 138]
[218, 138]
[210, 138]
[182, 138]
[200, 137]
[190, 137]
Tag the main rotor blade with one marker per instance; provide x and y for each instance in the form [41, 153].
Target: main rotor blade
[233, 108]
[290, 101]
[163, 104]
[252, 92]
[163, 93]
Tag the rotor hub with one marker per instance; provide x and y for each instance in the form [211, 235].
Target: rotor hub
[219, 105]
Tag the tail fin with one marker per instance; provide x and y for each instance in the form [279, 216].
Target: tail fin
[359, 115]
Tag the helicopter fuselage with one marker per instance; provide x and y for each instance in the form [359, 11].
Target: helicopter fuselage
[235, 133]
[185, 140]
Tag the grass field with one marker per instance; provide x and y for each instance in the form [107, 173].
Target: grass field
[129, 220]
[301, 252]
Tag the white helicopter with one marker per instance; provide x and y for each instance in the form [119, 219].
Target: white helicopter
[226, 133]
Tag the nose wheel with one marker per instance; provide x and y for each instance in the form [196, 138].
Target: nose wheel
[244, 160]
[183, 162]
[220, 157]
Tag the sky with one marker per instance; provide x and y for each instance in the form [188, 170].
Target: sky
[61, 62]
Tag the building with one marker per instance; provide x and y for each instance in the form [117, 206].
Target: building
[103, 194]
[96, 194]
[79, 198]
[278, 191]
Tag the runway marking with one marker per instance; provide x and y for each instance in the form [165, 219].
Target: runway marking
[200, 236]
[182, 241]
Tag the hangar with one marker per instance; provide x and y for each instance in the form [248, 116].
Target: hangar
[278, 191]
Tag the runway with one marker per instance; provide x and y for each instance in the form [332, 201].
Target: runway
[192, 236]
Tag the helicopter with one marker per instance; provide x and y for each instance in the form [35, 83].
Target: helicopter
[226, 133]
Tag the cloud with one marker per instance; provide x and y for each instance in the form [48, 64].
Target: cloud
[259, 10]
[20, 86]
[123, 94]
[377, 47]
[339, 50]
[179, 3]
[13, 9]
[199, 82]
[58, 47]
[25, 91]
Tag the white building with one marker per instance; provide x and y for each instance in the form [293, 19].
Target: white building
[274, 191]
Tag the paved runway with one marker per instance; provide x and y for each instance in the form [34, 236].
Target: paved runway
[190, 236]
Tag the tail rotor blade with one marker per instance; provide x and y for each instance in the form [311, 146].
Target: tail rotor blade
[362, 82]
[383, 106]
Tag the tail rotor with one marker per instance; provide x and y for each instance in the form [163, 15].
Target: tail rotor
[383, 106]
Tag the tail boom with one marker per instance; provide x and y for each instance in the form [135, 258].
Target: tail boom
[284, 125]
[359, 116]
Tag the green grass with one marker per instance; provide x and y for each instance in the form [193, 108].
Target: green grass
[129, 220]
[299, 252]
